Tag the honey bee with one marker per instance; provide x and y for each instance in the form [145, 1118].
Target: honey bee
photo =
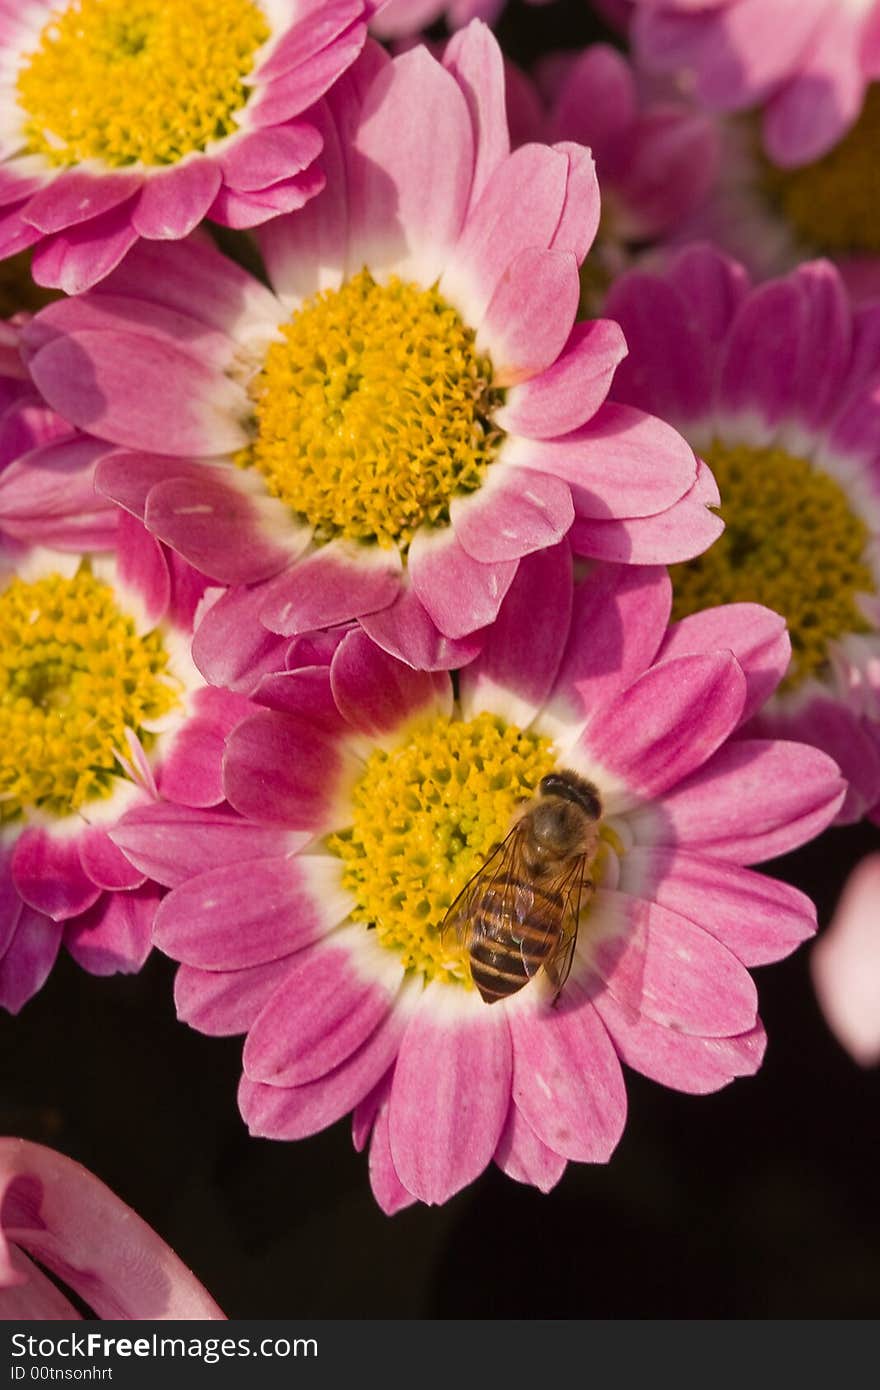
[520, 910]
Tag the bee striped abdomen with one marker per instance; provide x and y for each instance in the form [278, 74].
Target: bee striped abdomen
[506, 953]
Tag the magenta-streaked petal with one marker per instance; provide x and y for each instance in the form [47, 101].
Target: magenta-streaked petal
[293, 1112]
[247, 914]
[517, 668]
[514, 513]
[757, 636]
[712, 285]
[222, 1003]
[572, 389]
[475, 61]
[844, 965]
[406, 212]
[47, 497]
[174, 843]
[618, 621]
[174, 201]
[665, 966]
[684, 530]
[530, 315]
[697, 1066]
[49, 876]
[231, 647]
[526, 1158]
[75, 260]
[115, 936]
[406, 630]
[666, 724]
[106, 865]
[336, 582]
[755, 799]
[623, 463]
[459, 593]
[28, 959]
[385, 1184]
[74, 196]
[280, 770]
[305, 693]
[829, 724]
[567, 1081]
[450, 1093]
[756, 917]
[85, 1236]
[108, 383]
[224, 527]
[376, 694]
[332, 999]
[190, 772]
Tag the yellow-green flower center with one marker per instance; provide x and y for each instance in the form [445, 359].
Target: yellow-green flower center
[373, 412]
[128, 81]
[834, 203]
[425, 816]
[791, 541]
[74, 675]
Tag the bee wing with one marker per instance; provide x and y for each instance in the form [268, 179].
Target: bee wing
[574, 886]
[486, 887]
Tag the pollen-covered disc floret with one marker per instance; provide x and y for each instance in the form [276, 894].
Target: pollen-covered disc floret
[138, 81]
[74, 676]
[373, 411]
[834, 202]
[792, 542]
[425, 816]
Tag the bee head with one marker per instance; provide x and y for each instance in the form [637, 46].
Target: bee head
[557, 827]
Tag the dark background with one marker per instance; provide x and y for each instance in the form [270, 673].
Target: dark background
[760, 1201]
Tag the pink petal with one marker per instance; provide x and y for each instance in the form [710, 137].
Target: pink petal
[332, 584]
[515, 513]
[84, 1235]
[405, 630]
[116, 934]
[684, 530]
[450, 1094]
[37, 1298]
[75, 260]
[231, 647]
[190, 772]
[517, 668]
[757, 636]
[524, 1157]
[174, 201]
[283, 771]
[325, 1009]
[825, 722]
[755, 799]
[27, 961]
[579, 221]
[757, 918]
[241, 211]
[681, 1061]
[386, 1186]
[669, 722]
[531, 314]
[222, 1003]
[243, 914]
[259, 158]
[75, 196]
[106, 865]
[224, 527]
[377, 694]
[671, 970]
[47, 497]
[669, 370]
[572, 389]
[173, 843]
[459, 593]
[844, 965]
[567, 1080]
[475, 61]
[49, 876]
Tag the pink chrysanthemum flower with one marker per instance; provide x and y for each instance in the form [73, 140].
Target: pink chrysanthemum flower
[113, 126]
[329, 955]
[656, 155]
[58, 1217]
[775, 387]
[806, 63]
[101, 709]
[413, 409]
[845, 964]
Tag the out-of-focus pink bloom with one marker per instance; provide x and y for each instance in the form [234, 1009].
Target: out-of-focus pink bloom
[281, 466]
[162, 147]
[397, 19]
[846, 965]
[57, 1216]
[328, 955]
[806, 63]
[775, 386]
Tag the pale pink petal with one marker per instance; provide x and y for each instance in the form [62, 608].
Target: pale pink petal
[757, 636]
[475, 61]
[572, 389]
[579, 221]
[845, 965]
[35, 1299]
[514, 513]
[262, 157]
[386, 1186]
[75, 196]
[459, 594]
[679, 1060]
[173, 843]
[530, 315]
[222, 1003]
[524, 1157]
[684, 530]
[450, 1094]
[47, 497]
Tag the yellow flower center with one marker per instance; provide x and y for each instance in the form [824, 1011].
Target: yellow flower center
[128, 81]
[425, 817]
[373, 412]
[74, 675]
[791, 541]
[834, 203]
